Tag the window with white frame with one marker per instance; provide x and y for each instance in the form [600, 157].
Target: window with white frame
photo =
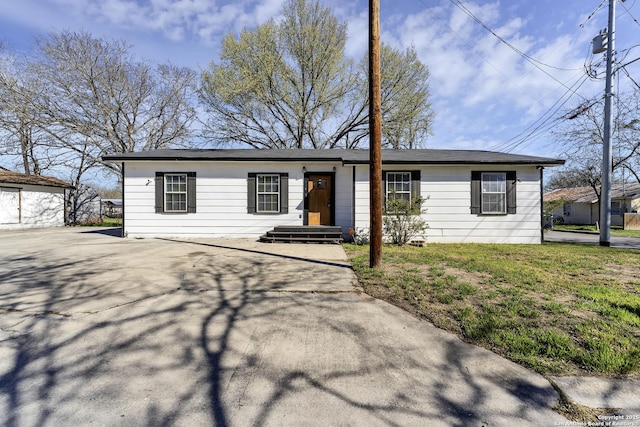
[268, 193]
[175, 192]
[566, 209]
[494, 193]
[398, 186]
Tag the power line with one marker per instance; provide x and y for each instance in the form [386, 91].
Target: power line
[528, 58]
[626, 72]
[545, 122]
[507, 43]
[593, 14]
[629, 12]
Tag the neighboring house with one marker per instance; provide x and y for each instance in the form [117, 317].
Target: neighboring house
[581, 206]
[31, 201]
[112, 208]
[472, 196]
[83, 205]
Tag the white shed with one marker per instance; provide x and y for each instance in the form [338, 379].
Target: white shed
[31, 201]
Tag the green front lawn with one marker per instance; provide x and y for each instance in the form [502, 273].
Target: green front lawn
[555, 308]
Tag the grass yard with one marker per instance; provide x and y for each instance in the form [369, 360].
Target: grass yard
[105, 222]
[111, 222]
[555, 308]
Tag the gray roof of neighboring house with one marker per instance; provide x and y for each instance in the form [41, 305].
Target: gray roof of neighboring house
[588, 195]
[8, 177]
[435, 156]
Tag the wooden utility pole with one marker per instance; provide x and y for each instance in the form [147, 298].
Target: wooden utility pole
[375, 138]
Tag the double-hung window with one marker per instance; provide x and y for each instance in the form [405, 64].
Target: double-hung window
[494, 193]
[175, 193]
[268, 193]
[398, 186]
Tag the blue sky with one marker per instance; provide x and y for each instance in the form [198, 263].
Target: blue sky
[484, 94]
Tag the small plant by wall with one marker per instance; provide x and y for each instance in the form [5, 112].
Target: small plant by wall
[402, 219]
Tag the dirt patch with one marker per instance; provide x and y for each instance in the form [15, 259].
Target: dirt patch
[624, 274]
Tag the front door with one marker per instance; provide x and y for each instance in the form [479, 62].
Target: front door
[318, 200]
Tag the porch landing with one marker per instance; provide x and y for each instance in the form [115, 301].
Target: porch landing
[304, 234]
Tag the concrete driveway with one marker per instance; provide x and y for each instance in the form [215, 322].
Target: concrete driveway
[98, 330]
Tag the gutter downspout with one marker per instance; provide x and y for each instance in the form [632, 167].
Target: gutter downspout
[353, 197]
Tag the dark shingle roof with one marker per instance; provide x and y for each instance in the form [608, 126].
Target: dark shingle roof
[8, 177]
[345, 156]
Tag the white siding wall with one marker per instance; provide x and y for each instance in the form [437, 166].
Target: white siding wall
[589, 213]
[39, 207]
[581, 213]
[221, 197]
[448, 189]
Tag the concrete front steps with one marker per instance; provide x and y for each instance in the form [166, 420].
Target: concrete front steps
[303, 234]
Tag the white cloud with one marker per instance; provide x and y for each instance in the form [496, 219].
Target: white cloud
[481, 88]
[177, 20]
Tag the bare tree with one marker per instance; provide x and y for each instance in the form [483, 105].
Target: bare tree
[575, 177]
[582, 137]
[99, 100]
[21, 136]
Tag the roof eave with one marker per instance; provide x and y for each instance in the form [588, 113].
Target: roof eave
[38, 184]
[329, 159]
[218, 159]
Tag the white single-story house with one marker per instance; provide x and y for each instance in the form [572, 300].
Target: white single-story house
[580, 205]
[31, 201]
[472, 196]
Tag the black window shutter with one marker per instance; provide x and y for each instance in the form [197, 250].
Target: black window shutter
[511, 192]
[284, 193]
[476, 192]
[415, 184]
[251, 193]
[191, 192]
[159, 192]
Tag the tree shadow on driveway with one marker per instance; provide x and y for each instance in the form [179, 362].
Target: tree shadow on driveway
[170, 333]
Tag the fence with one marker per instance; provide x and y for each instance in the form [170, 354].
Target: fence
[632, 221]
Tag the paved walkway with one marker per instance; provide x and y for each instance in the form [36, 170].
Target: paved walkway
[100, 330]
